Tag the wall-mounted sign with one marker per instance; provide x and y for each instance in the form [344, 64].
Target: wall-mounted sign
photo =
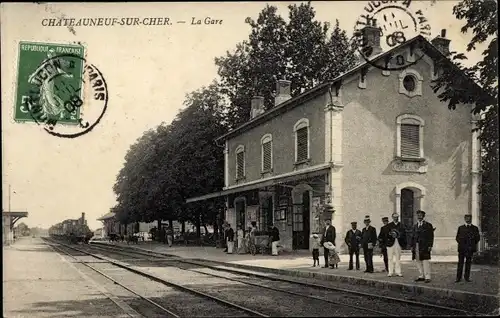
[283, 201]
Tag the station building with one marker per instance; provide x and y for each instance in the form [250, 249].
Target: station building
[370, 142]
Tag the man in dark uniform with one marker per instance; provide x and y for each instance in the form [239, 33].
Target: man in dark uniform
[368, 242]
[382, 241]
[467, 239]
[328, 236]
[422, 241]
[353, 241]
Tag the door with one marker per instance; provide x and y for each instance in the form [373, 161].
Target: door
[301, 226]
[407, 212]
[266, 218]
[306, 214]
[240, 214]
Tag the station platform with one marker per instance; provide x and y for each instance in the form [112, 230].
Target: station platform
[38, 282]
[485, 279]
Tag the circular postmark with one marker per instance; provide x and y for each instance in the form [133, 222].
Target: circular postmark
[67, 96]
[385, 25]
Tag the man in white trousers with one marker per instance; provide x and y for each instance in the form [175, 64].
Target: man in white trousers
[422, 241]
[395, 241]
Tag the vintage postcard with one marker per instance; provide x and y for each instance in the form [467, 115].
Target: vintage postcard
[185, 159]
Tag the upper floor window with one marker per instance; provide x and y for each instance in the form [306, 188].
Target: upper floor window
[410, 83]
[410, 135]
[301, 129]
[267, 152]
[240, 162]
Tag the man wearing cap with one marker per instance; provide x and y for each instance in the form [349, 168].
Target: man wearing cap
[382, 238]
[353, 241]
[368, 242]
[422, 241]
[395, 240]
[328, 236]
[467, 239]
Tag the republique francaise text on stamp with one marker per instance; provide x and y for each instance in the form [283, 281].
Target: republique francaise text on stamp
[56, 88]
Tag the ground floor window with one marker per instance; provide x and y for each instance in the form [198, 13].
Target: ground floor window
[266, 214]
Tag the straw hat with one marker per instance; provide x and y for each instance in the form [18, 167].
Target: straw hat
[329, 245]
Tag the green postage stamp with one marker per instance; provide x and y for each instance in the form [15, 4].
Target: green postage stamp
[49, 80]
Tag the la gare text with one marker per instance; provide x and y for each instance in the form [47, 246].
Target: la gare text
[70, 22]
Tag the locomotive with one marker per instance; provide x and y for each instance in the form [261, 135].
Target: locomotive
[74, 231]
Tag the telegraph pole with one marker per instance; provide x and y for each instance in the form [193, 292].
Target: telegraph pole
[9, 198]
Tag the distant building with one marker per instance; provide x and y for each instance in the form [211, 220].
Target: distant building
[371, 142]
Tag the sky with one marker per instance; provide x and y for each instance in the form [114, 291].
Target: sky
[148, 71]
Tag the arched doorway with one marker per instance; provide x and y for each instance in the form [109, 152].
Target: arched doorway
[407, 211]
[409, 199]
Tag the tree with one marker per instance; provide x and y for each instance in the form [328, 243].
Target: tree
[22, 229]
[198, 165]
[301, 50]
[478, 85]
[174, 162]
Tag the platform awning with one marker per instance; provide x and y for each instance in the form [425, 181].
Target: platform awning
[106, 216]
[14, 216]
[267, 182]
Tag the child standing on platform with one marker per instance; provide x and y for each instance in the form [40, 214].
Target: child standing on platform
[333, 256]
[316, 244]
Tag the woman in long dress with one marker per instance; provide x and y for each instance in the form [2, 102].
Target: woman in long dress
[240, 234]
[251, 241]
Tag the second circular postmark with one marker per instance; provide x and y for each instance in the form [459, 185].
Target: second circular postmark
[65, 94]
[385, 25]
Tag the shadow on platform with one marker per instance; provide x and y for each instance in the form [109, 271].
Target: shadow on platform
[101, 307]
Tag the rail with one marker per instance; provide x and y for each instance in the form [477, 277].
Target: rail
[168, 283]
[308, 284]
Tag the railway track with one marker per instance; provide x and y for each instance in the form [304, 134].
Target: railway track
[352, 297]
[159, 310]
[269, 301]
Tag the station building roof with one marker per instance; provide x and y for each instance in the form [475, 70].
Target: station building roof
[106, 216]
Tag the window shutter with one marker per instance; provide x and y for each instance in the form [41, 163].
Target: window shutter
[266, 156]
[240, 168]
[410, 141]
[302, 144]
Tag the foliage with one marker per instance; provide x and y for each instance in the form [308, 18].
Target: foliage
[174, 162]
[23, 229]
[301, 50]
[478, 85]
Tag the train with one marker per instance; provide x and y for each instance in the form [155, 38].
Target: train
[74, 231]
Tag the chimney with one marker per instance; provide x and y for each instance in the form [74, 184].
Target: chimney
[257, 106]
[442, 43]
[282, 91]
[371, 38]
[83, 217]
